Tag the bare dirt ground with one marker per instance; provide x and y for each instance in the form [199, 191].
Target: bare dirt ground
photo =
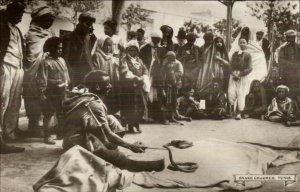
[20, 171]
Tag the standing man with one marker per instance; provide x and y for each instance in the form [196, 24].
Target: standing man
[205, 75]
[264, 43]
[77, 48]
[188, 55]
[38, 33]
[152, 55]
[181, 38]
[289, 62]
[11, 73]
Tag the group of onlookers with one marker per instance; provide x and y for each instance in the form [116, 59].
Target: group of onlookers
[88, 82]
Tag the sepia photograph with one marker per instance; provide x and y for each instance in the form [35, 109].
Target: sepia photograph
[149, 95]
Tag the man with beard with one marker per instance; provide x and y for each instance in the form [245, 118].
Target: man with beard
[77, 48]
[215, 101]
[38, 33]
[289, 62]
[11, 73]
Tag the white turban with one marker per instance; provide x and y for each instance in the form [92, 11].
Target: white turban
[155, 35]
[133, 43]
[290, 33]
[282, 87]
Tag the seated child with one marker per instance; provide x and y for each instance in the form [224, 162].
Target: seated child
[187, 105]
[281, 108]
[256, 102]
[215, 101]
[270, 84]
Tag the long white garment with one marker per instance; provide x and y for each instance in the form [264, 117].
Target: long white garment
[238, 90]
[259, 64]
[11, 80]
[152, 90]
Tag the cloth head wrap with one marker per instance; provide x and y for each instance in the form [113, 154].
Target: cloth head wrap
[101, 41]
[41, 11]
[132, 43]
[155, 35]
[171, 54]
[86, 17]
[282, 87]
[290, 33]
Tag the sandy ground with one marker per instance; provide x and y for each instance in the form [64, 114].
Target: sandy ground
[20, 171]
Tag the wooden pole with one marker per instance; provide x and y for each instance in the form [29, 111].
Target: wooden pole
[229, 23]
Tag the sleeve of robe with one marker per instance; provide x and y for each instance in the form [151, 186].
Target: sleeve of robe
[291, 111]
[96, 61]
[125, 73]
[270, 108]
[41, 78]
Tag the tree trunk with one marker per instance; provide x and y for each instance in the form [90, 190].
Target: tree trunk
[117, 6]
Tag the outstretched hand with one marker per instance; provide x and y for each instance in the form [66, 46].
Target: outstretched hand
[138, 147]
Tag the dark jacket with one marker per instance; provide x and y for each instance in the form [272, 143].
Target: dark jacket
[241, 62]
[176, 47]
[146, 55]
[5, 36]
[75, 56]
